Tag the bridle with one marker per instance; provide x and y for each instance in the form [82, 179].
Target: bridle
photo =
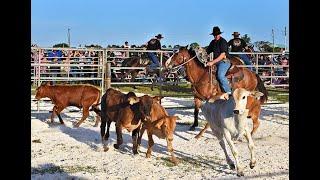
[178, 67]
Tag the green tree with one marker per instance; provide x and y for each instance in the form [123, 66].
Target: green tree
[263, 46]
[63, 45]
[93, 46]
[170, 46]
[164, 46]
[246, 38]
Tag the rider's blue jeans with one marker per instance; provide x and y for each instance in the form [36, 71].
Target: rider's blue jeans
[222, 68]
[246, 60]
[154, 60]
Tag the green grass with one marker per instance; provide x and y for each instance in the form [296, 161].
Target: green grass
[61, 169]
[184, 90]
[281, 95]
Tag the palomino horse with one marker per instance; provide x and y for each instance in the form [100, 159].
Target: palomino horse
[205, 86]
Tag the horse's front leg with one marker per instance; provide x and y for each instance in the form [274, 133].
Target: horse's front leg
[197, 104]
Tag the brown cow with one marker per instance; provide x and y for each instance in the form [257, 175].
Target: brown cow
[127, 110]
[63, 96]
[111, 102]
[162, 125]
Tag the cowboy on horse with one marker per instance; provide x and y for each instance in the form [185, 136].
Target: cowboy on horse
[239, 45]
[154, 44]
[219, 47]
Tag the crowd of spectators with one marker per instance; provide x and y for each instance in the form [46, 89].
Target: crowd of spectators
[84, 58]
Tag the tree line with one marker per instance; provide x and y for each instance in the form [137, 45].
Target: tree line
[262, 46]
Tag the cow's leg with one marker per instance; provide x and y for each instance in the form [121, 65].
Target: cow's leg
[197, 104]
[223, 146]
[102, 133]
[143, 128]
[53, 113]
[98, 119]
[150, 144]
[135, 134]
[202, 131]
[108, 128]
[170, 149]
[119, 135]
[85, 114]
[234, 151]
[58, 110]
[251, 148]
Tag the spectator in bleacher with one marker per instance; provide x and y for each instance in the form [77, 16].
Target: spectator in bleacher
[126, 45]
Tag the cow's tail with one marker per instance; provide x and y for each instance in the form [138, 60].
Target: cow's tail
[96, 109]
[262, 88]
[103, 115]
[95, 105]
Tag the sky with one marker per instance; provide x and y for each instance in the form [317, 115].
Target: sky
[107, 22]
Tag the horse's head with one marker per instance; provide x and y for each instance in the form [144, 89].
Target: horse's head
[178, 57]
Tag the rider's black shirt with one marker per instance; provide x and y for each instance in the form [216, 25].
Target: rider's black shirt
[154, 44]
[218, 47]
[237, 44]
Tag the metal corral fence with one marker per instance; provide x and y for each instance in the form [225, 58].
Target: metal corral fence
[89, 65]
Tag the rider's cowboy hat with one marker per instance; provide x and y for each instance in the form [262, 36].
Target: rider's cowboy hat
[216, 31]
[236, 34]
[159, 36]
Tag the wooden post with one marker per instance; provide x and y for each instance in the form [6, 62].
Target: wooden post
[108, 75]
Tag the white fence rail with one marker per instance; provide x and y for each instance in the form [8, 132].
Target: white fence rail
[79, 64]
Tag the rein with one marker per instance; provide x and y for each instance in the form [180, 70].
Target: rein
[179, 66]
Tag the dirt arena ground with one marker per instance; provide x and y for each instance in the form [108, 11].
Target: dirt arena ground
[65, 152]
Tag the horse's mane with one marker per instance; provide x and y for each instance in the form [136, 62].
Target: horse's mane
[193, 53]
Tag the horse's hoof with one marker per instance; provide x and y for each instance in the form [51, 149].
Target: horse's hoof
[148, 155]
[135, 152]
[116, 146]
[192, 128]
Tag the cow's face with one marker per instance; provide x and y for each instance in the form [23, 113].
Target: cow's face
[144, 105]
[41, 90]
[240, 96]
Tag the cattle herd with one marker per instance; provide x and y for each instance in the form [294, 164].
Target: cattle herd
[226, 115]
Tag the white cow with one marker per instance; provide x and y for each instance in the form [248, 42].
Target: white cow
[228, 120]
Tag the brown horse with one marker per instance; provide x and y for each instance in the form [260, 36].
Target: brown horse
[142, 61]
[205, 86]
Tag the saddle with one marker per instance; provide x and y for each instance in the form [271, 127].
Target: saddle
[233, 74]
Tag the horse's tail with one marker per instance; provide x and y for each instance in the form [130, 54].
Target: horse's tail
[262, 88]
